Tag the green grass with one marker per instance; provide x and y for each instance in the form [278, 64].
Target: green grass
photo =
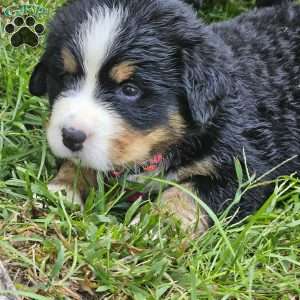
[54, 251]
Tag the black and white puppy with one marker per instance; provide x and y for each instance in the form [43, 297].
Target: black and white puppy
[131, 79]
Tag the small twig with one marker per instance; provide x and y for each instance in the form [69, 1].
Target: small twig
[6, 284]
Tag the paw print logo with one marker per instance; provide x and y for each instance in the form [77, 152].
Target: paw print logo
[24, 31]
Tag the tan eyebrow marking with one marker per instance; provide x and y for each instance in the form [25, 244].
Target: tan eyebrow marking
[70, 64]
[122, 71]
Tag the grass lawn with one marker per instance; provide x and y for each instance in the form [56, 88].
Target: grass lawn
[55, 251]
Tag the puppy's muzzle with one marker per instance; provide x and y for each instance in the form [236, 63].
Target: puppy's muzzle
[73, 138]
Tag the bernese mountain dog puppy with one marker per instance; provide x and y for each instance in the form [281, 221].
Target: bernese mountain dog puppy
[129, 81]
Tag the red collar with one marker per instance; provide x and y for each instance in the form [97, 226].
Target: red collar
[150, 165]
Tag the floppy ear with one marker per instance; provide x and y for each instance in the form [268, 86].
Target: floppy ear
[206, 66]
[38, 80]
[206, 82]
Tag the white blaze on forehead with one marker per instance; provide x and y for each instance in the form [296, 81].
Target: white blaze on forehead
[96, 37]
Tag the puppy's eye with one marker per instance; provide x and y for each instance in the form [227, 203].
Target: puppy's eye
[130, 91]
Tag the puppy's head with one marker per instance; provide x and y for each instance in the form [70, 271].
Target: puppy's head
[124, 78]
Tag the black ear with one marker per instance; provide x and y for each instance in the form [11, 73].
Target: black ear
[38, 80]
[206, 66]
[207, 81]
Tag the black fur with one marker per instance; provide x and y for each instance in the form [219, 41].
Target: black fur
[264, 3]
[197, 4]
[236, 83]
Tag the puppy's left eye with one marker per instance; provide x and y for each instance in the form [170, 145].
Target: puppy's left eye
[130, 91]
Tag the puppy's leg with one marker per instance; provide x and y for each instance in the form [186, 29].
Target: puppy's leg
[74, 183]
[182, 206]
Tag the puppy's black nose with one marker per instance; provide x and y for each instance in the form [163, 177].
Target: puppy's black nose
[73, 138]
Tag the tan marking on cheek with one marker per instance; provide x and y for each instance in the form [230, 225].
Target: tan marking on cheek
[204, 167]
[133, 146]
[122, 71]
[70, 64]
[183, 207]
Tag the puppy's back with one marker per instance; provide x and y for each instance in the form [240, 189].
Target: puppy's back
[265, 45]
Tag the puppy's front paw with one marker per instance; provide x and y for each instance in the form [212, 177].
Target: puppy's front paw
[69, 192]
[181, 205]
[67, 177]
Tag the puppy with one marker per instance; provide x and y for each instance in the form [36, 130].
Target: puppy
[131, 80]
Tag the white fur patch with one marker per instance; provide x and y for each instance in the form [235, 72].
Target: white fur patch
[96, 36]
[99, 123]
[78, 107]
